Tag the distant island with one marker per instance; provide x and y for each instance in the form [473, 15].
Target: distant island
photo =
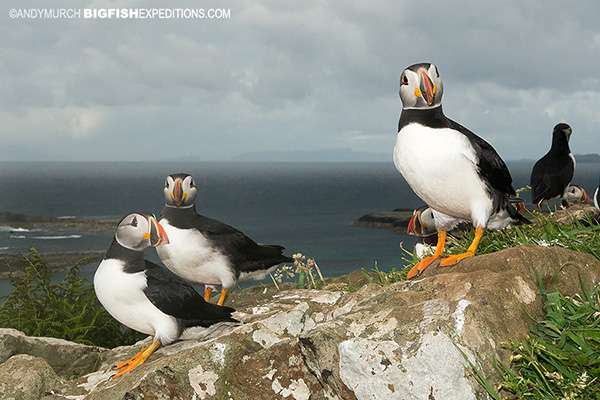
[588, 158]
[320, 155]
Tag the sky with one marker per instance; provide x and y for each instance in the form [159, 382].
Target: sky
[292, 76]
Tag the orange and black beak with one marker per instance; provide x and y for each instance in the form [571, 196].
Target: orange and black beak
[158, 235]
[412, 223]
[177, 193]
[427, 87]
[586, 197]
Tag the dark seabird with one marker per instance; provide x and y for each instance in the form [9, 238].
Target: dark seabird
[457, 173]
[206, 251]
[146, 297]
[552, 173]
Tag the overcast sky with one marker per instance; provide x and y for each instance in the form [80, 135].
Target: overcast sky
[292, 75]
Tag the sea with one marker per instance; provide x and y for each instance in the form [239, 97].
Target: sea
[306, 207]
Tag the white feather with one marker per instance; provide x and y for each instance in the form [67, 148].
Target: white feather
[440, 165]
[596, 198]
[122, 295]
[191, 256]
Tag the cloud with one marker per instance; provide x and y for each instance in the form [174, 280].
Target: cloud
[309, 75]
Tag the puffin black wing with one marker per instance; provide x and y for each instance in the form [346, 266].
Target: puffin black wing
[177, 298]
[550, 176]
[245, 254]
[490, 165]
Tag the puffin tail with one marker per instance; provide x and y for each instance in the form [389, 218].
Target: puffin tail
[211, 314]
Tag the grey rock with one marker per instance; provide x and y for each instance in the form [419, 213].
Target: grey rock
[409, 340]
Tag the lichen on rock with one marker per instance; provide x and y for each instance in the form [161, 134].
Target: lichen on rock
[407, 340]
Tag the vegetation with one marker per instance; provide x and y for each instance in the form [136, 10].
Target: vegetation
[560, 359]
[392, 275]
[305, 273]
[68, 309]
[583, 236]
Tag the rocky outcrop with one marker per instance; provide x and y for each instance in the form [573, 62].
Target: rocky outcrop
[409, 340]
[396, 220]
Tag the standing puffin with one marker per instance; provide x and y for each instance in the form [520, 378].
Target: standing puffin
[457, 173]
[552, 173]
[146, 297]
[206, 251]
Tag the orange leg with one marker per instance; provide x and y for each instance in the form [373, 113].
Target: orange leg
[128, 361]
[207, 292]
[455, 258]
[222, 296]
[427, 261]
[137, 360]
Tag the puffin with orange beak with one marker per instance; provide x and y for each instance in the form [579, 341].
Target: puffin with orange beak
[206, 251]
[454, 171]
[147, 297]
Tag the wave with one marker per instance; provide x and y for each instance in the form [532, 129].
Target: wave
[66, 217]
[50, 237]
[56, 237]
[4, 248]
[7, 228]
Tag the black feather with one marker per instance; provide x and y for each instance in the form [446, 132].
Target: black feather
[552, 173]
[244, 253]
[177, 298]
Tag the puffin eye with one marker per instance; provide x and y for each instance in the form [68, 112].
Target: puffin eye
[191, 183]
[166, 184]
[404, 80]
[134, 222]
[436, 71]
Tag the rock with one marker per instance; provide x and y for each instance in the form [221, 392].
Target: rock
[66, 358]
[396, 220]
[577, 213]
[409, 340]
[24, 377]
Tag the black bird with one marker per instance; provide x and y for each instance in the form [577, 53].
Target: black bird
[552, 173]
[146, 297]
[206, 251]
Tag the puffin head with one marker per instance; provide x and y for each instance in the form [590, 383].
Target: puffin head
[575, 194]
[138, 231]
[422, 223]
[180, 190]
[421, 86]
[562, 130]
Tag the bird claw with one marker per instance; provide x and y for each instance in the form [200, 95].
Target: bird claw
[454, 259]
[421, 266]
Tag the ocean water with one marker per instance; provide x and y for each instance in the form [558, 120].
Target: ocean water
[307, 207]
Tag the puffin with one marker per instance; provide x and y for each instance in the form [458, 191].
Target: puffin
[454, 171]
[553, 173]
[575, 194]
[147, 297]
[206, 251]
[597, 197]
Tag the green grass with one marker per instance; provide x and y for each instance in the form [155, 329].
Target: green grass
[68, 309]
[376, 275]
[583, 236]
[560, 359]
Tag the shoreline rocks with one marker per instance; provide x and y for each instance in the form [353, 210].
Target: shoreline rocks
[412, 339]
[396, 220]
